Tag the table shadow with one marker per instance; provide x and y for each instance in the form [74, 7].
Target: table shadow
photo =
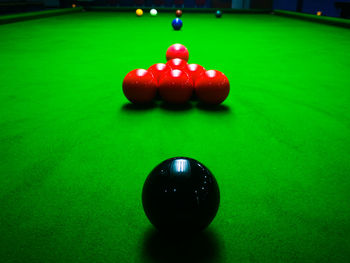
[213, 108]
[176, 107]
[130, 107]
[170, 248]
[138, 107]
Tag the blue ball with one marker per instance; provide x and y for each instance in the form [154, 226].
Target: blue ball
[177, 23]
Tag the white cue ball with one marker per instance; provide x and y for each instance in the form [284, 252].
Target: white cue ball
[153, 12]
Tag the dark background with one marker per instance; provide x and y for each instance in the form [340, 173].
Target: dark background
[335, 8]
[327, 7]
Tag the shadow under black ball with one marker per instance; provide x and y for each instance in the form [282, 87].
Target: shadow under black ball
[180, 195]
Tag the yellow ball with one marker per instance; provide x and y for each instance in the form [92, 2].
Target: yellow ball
[139, 12]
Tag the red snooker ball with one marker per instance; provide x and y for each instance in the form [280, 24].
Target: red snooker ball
[195, 70]
[158, 70]
[212, 87]
[175, 87]
[177, 51]
[139, 86]
[177, 63]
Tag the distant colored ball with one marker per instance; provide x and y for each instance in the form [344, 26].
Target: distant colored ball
[218, 13]
[177, 51]
[175, 87]
[139, 86]
[177, 23]
[153, 12]
[212, 87]
[178, 13]
[139, 12]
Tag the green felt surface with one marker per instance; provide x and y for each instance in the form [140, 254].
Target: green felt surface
[74, 153]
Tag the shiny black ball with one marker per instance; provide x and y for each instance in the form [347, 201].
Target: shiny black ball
[180, 195]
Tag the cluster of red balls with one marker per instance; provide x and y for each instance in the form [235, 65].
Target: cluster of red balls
[176, 81]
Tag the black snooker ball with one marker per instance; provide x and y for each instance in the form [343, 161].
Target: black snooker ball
[180, 195]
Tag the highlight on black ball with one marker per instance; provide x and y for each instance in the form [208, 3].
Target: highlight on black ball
[180, 195]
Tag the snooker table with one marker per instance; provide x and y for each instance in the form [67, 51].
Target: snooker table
[75, 153]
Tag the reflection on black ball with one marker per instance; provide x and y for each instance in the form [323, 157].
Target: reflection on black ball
[180, 195]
